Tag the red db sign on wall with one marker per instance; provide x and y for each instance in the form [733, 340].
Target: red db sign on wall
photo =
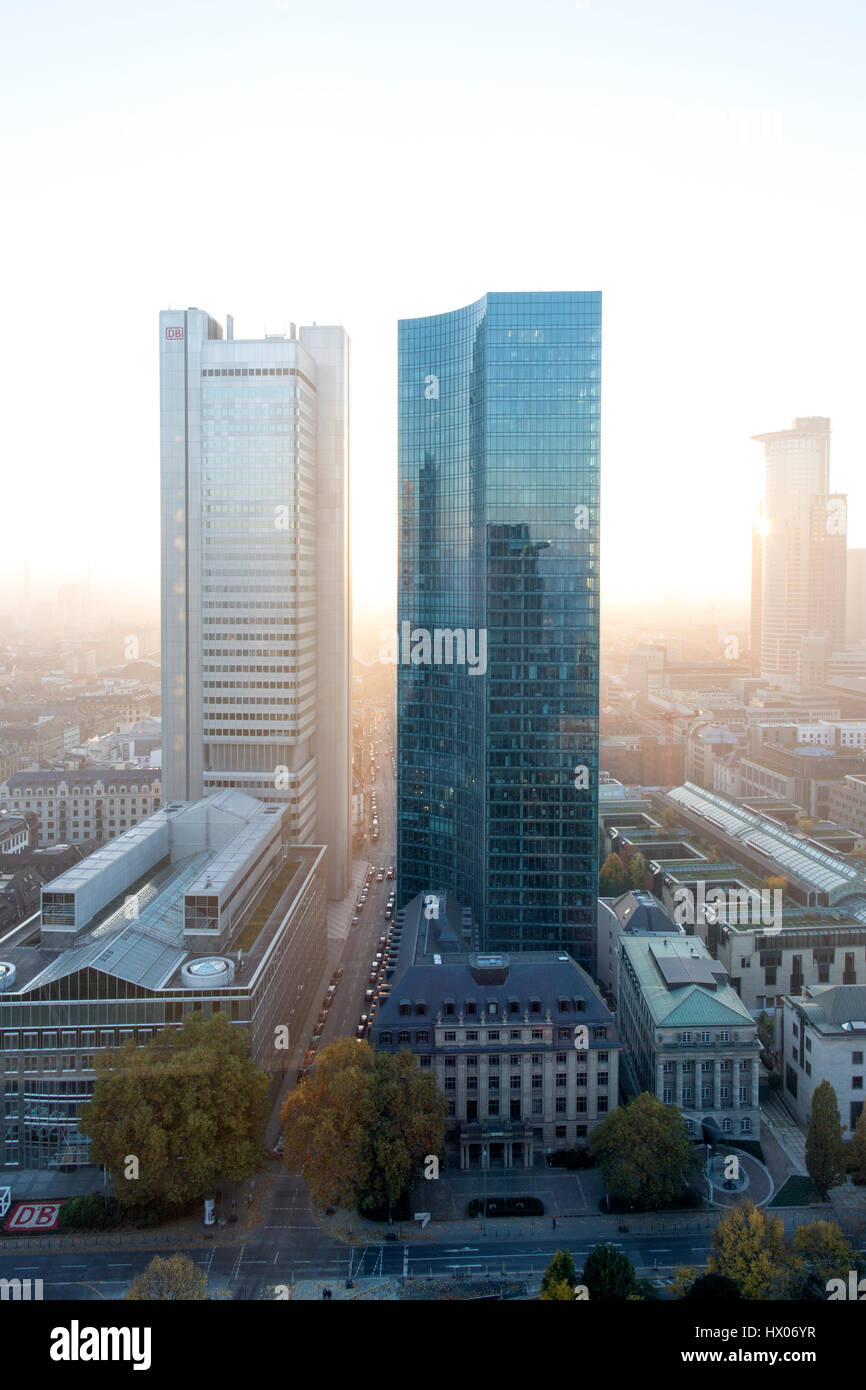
[174, 335]
[34, 1216]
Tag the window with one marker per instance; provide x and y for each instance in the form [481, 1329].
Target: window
[601, 1105]
[538, 1035]
[561, 1131]
[563, 1034]
[516, 1081]
[493, 1035]
[561, 1080]
[451, 1083]
[450, 1063]
[450, 1035]
[404, 1036]
[600, 1034]
[472, 1035]
[559, 1105]
[422, 1036]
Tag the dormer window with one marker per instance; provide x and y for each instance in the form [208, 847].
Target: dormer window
[564, 1006]
[471, 1006]
[535, 1006]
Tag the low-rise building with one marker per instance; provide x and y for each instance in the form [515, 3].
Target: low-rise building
[522, 1044]
[821, 1036]
[687, 1037]
[99, 802]
[205, 907]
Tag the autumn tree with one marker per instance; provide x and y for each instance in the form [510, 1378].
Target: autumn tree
[612, 881]
[360, 1129]
[609, 1274]
[645, 1154]
[750, 1248]
[561, 1270]
[637, 867]
[173, 1278]
[825, 1149]
[823, 1249]
[172, 1119]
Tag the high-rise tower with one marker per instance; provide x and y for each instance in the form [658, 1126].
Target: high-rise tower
[498, 614]
[804, 551]
[256, 590]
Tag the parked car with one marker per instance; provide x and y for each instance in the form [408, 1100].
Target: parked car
[337, 976]
[368, 995]
[355, 920]
[310, 1057]
[374, 975]
[323, 1016]
[380, 877]
[390, 873]
[318, 1030]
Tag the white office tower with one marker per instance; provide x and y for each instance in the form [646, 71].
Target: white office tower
[256, 589]
[805, 530]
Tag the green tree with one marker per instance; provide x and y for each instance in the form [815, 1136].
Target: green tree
[750, 1248]
[824, 1250]
[609, 1275]
[612, 880]
[857, 1151]
[173, 1278]
[669, 819]
[825, 1149]
[645, 1154]
[361, 1127]
[561, 1270]
[766, 1032]
[174, 1118]
[637, 866]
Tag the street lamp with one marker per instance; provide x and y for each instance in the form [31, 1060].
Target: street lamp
[483, 1188]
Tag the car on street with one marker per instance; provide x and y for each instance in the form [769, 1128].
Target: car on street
[374, 975]
[368, 995]
[355, 920]
[337, 976]
[318, 1030]
[323, 1016]
[380, 877]
[390, 873]
[310, 1057]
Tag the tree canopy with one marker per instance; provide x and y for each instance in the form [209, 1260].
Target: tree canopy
[360, 1129]
[173, 1118]
[749, 1248]
[561, 1271]
[609, 1274]
[644, 1152]
[175, 1277]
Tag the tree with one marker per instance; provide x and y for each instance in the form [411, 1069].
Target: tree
[637, 866]
[824, 1250]
[609, 1275]
[749, 1248]
[766, 1032]
[776, 881]
[558, 1293]
[825, 1150]
[612, 881]
[857, 1152]
[360, 1128]
[561, 1270]
[174, 1118]
[173, 1278]
[714, 1286]
[644, 1152]
[669, 819]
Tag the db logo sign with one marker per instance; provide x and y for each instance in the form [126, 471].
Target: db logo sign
[34, 1216]
[174, 335]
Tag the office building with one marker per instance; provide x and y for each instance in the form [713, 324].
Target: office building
[855, 600]
[256, 596]
[498, 592]
[687, 1037]
[499, 1033]
[804, 552]
[821, 1036]
[204, 907]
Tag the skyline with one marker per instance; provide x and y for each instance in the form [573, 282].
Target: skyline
[746, 299]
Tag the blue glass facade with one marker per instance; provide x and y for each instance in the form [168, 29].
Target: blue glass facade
[497, 774]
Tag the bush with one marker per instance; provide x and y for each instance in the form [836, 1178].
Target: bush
[89, 1213]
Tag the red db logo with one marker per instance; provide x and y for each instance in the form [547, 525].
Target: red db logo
[174, 335]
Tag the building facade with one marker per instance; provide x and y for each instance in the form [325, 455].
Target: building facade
[821, 1036]
[97, 803]
[256, 594]
[687, 1037]
[220, 912]
[523, 1045]
[497, 761]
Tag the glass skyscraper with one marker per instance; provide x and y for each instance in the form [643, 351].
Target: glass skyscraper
[498, 615]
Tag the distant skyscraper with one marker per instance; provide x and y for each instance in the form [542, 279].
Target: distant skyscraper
[804, 550]
[498, 615]
[855, 607]
[256, 590]
[757, 595]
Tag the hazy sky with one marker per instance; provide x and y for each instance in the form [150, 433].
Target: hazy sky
[701, 163]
